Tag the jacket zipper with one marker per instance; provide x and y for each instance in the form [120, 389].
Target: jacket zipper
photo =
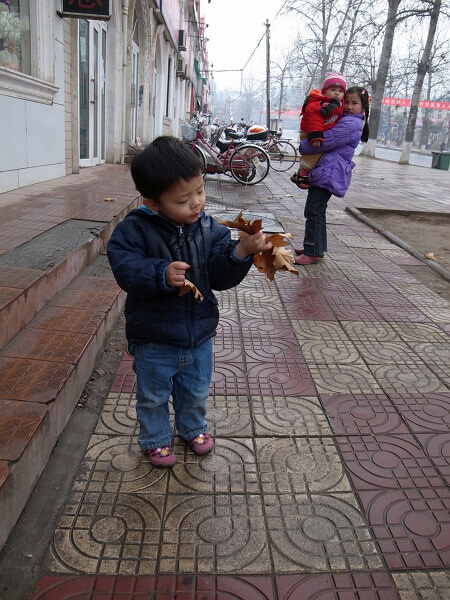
[182, 245]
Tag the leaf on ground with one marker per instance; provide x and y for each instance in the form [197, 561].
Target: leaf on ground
[187, 287]
[430, 256]
[109, 199]
[243, 224]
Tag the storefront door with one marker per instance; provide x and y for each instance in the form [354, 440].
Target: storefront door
[92, 60]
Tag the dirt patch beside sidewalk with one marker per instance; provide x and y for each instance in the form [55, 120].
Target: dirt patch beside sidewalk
[425, 232]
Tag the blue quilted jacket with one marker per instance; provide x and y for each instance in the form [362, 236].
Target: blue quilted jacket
[140, 249]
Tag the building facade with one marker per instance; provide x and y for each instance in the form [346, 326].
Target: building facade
[77, 91]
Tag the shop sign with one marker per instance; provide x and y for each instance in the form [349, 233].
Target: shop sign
[86, 9]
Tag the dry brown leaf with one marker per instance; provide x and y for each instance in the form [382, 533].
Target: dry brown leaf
[187, 287]
[278, 258]
[430, 256]
[109, 199]
[244, 224]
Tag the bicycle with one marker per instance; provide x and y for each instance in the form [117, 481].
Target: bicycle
[248, 163]
[283, 154]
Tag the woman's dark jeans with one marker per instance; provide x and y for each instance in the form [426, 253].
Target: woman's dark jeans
[315, 241]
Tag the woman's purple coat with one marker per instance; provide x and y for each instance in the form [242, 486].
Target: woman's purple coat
[333, 172]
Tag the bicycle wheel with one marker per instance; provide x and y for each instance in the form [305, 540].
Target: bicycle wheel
[198, 153]
[249, 164]
[283, 155]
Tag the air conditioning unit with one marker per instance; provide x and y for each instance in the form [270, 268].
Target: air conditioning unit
[182, 39]
[180, 67]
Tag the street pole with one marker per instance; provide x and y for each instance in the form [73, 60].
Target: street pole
[267, 75]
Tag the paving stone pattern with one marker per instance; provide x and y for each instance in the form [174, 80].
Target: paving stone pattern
[330, 410]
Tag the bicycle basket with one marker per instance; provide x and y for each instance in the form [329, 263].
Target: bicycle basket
[188, 132]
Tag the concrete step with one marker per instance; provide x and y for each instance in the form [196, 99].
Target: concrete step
[43, 372]
[33, 273]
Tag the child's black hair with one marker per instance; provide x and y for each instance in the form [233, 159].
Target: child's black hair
[161, 164]
[364, 97]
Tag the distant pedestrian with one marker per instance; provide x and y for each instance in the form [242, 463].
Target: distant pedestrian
[321, 110]
[152, 251]
[333, 173]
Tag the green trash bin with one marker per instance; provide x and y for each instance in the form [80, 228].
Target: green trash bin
[440, 160]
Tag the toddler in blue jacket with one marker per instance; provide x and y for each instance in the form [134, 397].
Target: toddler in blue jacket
[152, 251]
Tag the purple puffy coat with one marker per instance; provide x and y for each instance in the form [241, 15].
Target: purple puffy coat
[333, 172]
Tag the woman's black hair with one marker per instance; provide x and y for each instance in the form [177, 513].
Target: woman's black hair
[364, 97]
[161, 164]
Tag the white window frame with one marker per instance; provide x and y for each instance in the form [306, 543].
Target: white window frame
[39, 86]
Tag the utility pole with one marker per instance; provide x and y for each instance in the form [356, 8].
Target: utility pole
[267, 75]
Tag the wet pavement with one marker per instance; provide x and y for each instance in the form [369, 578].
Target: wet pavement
[329, 404]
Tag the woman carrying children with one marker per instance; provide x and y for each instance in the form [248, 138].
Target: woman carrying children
[321, 110]
[333, 172]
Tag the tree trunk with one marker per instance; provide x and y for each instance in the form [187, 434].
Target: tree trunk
[380, 82]
[421, 72]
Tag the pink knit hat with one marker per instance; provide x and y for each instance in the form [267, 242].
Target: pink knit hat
[334, 79]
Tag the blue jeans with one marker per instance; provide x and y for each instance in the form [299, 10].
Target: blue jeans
[315, 240]
[162, 370]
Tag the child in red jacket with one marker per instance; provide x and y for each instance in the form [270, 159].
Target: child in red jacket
[321, 110]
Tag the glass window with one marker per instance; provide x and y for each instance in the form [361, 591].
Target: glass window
[15, 35]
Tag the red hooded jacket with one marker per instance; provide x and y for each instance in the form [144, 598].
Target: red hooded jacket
[319, 113]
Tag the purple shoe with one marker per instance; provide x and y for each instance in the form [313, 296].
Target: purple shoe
[304, 259]
[162, 456]
[201, 443]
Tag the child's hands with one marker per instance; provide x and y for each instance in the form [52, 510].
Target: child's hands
[252, 244]
[176, 273]
[316, 143]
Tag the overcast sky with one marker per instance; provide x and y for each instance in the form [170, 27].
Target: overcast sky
[234, 29]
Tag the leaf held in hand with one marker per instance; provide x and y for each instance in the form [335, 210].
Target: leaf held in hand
[187, 287]
[243, 224]
[278, 258]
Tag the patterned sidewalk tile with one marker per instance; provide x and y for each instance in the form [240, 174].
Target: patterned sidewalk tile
[340, 379]
[424, 413]
[284, 377]
[407, 379]
[434, 585]
[118, 415]
[414, 333]
[345, 586]
[299, 465]
[387, 462]
[229, 416]
[362, 414]
[229, 469]
[412, 526]
[368, 332]
[214, 534]
[288, 416]
[227, 342]
[227, 301]
[108, 534]
[389, 353]
[160, 587]
[319, 532]
[437, 448]
[228, 379]
[257, 296]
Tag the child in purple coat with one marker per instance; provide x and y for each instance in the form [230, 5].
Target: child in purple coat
[333, 172]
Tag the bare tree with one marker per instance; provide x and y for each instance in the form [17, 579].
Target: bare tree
[331, 29]
[424, 65]
[394, 17]
[283, 68]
